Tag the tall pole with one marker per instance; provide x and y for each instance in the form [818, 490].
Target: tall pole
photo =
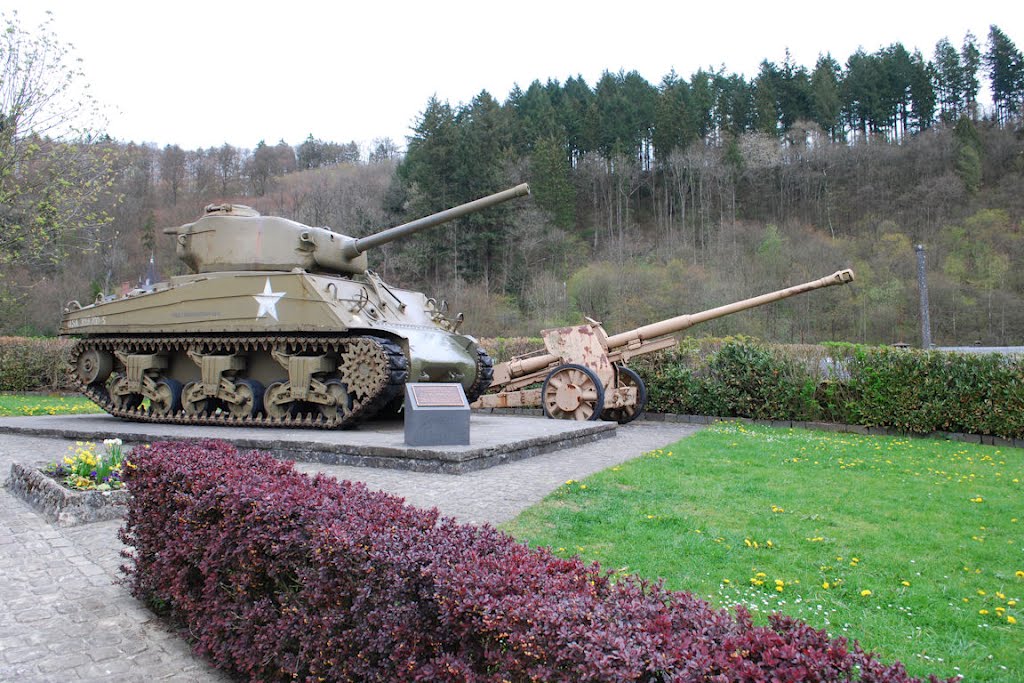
[922, 286]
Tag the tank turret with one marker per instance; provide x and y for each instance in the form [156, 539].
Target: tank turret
[232, 237]
[279, 324]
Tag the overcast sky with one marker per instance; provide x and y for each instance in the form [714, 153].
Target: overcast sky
[200, 74]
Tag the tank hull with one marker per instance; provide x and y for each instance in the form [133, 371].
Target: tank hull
[274, 348]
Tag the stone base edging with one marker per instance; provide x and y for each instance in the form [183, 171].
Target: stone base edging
[62, 506]
[984, 439]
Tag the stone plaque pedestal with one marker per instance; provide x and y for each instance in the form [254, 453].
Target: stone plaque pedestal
[436, 415]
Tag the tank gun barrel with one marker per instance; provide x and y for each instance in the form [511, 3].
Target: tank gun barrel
[360, 245]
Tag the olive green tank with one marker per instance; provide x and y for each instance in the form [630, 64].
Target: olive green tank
[279, 324]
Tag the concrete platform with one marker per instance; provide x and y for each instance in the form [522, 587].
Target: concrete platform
[494, 439]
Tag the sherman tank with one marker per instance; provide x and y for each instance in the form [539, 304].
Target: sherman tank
[279, 324]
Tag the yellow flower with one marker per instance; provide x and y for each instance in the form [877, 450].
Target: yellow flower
[1019, 574]
[1011, 620]
[983, 611]
[905, 583]
[825, 585]
[1011, 603]
[865, 593]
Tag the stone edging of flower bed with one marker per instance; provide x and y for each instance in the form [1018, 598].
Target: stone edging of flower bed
[985, 439]
[60, 505]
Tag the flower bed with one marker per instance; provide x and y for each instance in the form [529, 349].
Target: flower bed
[86, 469]
[279, 577]
[85, 486]
[63, 506]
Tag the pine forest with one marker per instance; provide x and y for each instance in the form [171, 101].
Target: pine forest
[648, 199]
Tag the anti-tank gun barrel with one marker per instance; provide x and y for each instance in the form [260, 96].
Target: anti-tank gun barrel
[682, 322]
[584, 372]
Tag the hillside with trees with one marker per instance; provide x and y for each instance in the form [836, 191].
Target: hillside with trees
[649, 199]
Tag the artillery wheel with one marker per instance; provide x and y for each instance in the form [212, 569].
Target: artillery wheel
[627, 377]
[250, 394]
[123, 401]
[272, 407]
[167, 400]
[572, 392]
[342, 401]
[194, 401]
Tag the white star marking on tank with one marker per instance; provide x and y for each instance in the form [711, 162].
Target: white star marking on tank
[268, 301]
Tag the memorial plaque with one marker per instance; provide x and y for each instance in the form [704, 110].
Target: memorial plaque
[436, 415]
[438, 395]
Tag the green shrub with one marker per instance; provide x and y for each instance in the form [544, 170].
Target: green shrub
[33, 364]
[912, 391]
[921, 392]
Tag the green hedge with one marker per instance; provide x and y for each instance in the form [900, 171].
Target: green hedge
[913, 391]
[33, 364]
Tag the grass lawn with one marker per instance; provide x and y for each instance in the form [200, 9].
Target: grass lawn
[27, 404]
[913, 547]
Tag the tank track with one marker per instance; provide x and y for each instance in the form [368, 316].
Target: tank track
[377, 390]
[484, 375]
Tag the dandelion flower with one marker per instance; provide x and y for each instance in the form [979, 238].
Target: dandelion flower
[905, 583]
[983, 612]
[825, 585]
[1011, 620]
[865, 593]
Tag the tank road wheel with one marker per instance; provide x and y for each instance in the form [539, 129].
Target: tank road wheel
[342, 407]
[627, 377]
[194, 402]
[122, 400]
[250, 394]
[94, 366]
[277, 403]
[167, 399]
[572, 392]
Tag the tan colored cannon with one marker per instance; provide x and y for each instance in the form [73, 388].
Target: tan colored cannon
[584, 374]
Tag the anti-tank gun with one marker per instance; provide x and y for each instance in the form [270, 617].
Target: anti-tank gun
[584, 373]
[280, 323]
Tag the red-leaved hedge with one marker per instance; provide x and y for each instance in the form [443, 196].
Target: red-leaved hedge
[278, 576]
